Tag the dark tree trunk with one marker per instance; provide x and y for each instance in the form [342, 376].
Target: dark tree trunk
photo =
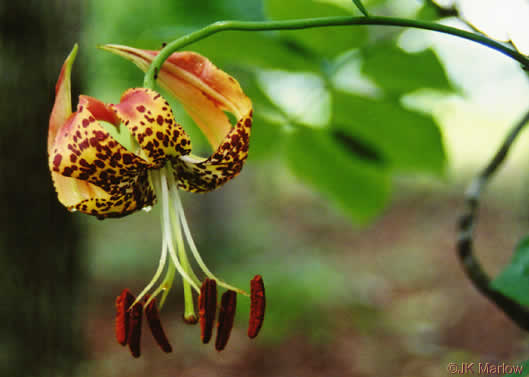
[39, 259]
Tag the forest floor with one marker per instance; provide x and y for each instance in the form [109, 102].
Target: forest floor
[422, 313]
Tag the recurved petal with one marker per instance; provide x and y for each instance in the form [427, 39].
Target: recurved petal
[150, 120]
[62, 108]
[111, 180]
[206, 175]
[135, 194]
[71, 191]
[205, 91]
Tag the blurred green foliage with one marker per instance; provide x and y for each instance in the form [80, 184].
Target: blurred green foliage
[398, 72]
[317, 44]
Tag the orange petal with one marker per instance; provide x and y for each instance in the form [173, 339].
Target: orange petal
[204, 90]
[85, 152]
[62, 108]
[70, 191]
[150, 120]
[99, 110]
[226, 163]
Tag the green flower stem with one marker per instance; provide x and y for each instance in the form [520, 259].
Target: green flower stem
[308, 23]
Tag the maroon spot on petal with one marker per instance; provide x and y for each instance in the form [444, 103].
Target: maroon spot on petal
[127, 159]
[73, 158]
[141, 108]
[84, 144]
[148, 131]
[86, 122]
[248, 122]
[159, 135]
[100, 135]
[57, 161]
[159, 120]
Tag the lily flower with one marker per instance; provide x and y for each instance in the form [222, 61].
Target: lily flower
[110, 160]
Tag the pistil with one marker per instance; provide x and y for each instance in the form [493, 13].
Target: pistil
[175, 232]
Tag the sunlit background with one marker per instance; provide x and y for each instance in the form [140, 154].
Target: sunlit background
[385, 296]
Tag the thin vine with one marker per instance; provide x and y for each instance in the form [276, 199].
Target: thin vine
[307, 23]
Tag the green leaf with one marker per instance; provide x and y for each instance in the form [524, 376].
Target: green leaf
[328, 41]
[513, 281]
[303, 97]
[405, 140]
[361, 7]
[360, 188]
[268, 121]
[398, 71]
[267, 137]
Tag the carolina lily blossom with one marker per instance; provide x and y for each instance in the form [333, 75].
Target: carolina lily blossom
[93, 173]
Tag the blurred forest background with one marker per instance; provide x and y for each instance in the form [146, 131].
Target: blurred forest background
[364, 139]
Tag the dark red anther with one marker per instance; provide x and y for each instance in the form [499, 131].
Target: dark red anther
[153, 319]
[123, 302]
[257, 306]
[135, 329]
[228, 303]
[207, 308]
